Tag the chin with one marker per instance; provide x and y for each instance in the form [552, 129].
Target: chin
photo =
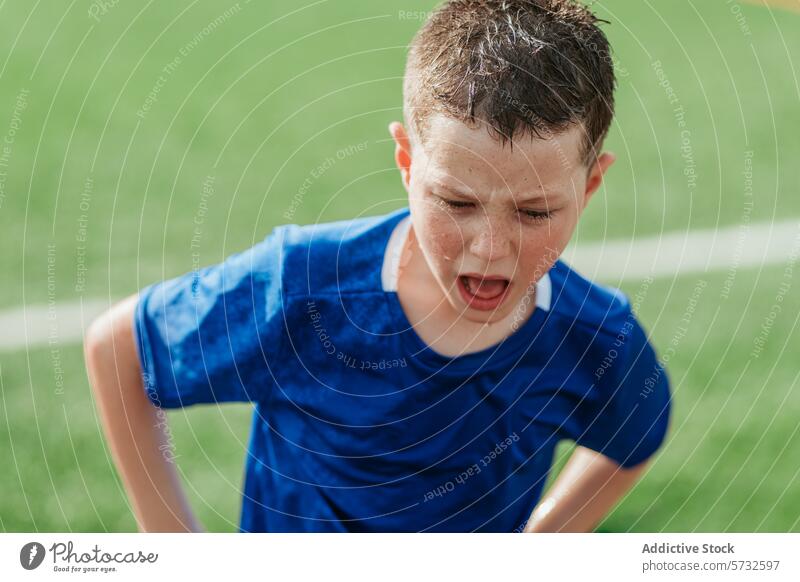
[480, 316]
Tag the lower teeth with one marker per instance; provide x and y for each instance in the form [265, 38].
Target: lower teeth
[468, 287]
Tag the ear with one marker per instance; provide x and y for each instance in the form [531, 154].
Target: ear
[596, 172]
[402, 151]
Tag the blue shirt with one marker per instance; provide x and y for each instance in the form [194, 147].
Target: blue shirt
[358, 425]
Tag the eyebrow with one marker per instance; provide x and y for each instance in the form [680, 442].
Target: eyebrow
[452, 190]
[555, 197]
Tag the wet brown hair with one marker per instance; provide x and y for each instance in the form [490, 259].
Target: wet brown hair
[518, 66]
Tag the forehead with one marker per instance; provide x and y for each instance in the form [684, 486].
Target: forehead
[473, 156]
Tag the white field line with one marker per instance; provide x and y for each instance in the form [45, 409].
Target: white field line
[611, 262]
[54, 324]
[681, 253]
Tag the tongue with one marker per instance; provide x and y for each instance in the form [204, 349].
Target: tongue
[486, 289]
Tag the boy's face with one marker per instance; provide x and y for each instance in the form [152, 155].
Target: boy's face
[491, 220]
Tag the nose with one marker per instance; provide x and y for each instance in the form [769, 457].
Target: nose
[492, 241]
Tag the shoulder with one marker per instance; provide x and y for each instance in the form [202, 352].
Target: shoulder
[601, 329]
[599, 308]
[336, 257]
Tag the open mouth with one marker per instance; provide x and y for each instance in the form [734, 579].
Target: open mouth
[483, 293]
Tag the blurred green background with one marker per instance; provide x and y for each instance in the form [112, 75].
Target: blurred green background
[101, 184]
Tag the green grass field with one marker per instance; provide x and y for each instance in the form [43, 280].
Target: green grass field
[98, 200]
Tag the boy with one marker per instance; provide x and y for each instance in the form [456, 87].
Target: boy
[415, 371]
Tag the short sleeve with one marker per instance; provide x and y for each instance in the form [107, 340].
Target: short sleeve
[214, 334]
[629, 422]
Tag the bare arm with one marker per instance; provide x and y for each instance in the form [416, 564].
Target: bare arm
[585, 491]
[135, 429]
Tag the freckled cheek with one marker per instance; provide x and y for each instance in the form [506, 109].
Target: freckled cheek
[560, 233]
[539, 251]
[443, 239]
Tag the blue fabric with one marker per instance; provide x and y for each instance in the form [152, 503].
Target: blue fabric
[357, 424]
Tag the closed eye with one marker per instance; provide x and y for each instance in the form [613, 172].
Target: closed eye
[538, 215]
[457, 203]
[529, 215]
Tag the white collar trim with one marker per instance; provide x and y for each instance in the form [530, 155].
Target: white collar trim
[391, 259]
